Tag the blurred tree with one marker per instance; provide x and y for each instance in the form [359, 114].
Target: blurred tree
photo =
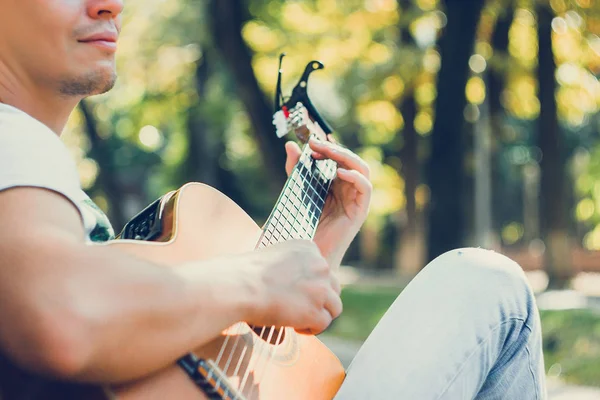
[227, 20]
[206, 140]
[409, 258]
[108, 176]
[179, 113]
[445, 171]
[204, 146]
[553, 197]
[497, 75]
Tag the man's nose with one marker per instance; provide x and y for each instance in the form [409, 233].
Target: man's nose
[106, 9]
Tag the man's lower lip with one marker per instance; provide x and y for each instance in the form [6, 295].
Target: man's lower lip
[103, 44]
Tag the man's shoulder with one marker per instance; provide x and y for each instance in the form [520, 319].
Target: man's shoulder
[13, 120]
[25, 140]
[12, 115]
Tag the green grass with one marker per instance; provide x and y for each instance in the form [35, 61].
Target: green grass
[363, 308]
[571, 338]
[572, 345]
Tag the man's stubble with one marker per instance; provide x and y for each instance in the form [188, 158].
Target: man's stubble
[90, 84]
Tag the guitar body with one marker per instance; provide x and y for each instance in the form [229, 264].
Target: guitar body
[201, 223]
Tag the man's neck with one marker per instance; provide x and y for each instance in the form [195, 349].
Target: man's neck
[50, 109]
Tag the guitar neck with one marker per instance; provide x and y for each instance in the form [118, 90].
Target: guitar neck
[298, 210]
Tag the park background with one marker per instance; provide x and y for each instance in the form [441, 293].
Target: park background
[479, 120]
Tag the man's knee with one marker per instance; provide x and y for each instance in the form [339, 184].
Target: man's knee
[486, 274]
[481, 263]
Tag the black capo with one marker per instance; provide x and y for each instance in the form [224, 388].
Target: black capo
[300, 94]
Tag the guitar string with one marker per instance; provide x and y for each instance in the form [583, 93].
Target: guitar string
[267, 360]
[239, 364]
[263, 345]
[223, 347]
[313, 210]
[239, 324]
[277, 213]
[267, 363]
[328, 175]
[238, 331]
[228, 335]
[271, 239]
[330, 168]
[285, 211]
[292, 199]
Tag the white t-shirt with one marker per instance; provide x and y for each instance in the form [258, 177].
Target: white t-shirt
[32, 155]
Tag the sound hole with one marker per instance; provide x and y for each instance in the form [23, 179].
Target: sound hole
[275, 338]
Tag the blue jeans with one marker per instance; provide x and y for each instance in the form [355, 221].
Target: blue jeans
[467, 327]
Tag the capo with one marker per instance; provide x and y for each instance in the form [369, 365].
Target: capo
[299, 95]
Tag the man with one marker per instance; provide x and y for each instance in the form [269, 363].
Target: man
[466, 327]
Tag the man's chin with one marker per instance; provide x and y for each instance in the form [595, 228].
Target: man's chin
[106, 85]
[93, 83]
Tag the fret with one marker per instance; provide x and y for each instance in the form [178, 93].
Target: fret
[296, 233]
[317, 179]
[308, 186]
[300, 205]
[279, 228]
[322, 192]
[314, 205]
[295, 229]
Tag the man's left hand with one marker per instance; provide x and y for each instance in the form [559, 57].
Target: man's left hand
[347, 205]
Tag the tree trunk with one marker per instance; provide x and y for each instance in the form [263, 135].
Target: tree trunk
[227, 22]
[204, 147]
[496, 85]
[410, 255]
[107, 175]
[445, 172]
[497, 77]
[206, 142]
[410, 249]
[552, 167]
[410, 162]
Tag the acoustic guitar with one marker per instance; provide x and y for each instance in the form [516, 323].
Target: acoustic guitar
[245, 362]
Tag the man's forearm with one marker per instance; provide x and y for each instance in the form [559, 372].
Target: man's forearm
[126, 317]
[157, 319]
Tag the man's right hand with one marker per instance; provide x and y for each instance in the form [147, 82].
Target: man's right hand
[293, 286]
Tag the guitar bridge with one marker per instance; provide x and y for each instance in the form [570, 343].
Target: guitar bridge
[209, 378]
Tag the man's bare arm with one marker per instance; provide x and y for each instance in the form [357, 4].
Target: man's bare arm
[96, 314]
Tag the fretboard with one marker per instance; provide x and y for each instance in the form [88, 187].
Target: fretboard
[298, 210]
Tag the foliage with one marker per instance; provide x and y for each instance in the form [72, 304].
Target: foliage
[377, 53]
